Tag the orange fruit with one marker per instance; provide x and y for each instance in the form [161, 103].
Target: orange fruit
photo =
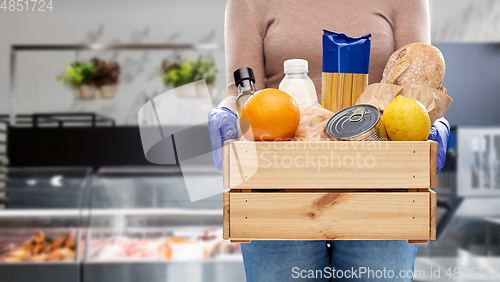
[272, 115]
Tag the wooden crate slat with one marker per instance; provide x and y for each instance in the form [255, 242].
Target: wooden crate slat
[433, 215]
[295, 165]
[225, 164]
[417, 241]
[320, 216]
[433, 165]
[225, 216]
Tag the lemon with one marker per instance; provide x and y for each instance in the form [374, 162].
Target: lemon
[406, 119]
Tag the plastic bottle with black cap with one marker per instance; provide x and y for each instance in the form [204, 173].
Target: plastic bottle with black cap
[244, 79]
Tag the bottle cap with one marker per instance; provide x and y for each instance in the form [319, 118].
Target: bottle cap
[243, 74]
[296, 65]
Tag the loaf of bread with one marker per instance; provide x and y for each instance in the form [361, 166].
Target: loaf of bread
[417, 63]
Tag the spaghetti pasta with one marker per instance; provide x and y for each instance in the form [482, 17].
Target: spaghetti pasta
[342, 90]
[345, 69]
[359, 83]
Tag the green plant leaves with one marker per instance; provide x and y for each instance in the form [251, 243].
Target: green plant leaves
[185, 71]
[77, 73]
[97, 72]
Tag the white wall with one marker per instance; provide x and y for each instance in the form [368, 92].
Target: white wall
[110, 21]
[465, 20]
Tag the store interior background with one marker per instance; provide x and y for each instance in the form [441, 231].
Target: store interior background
[467, 32]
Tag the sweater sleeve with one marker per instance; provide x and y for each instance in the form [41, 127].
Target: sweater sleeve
[411, 22]
[243, 38]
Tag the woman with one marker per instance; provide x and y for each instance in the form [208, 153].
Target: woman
[262, 34]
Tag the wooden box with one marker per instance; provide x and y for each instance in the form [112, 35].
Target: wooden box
[329, 164]
[324, 190]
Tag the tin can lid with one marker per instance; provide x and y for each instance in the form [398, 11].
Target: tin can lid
[353, 121]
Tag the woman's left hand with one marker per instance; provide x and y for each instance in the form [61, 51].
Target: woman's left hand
[440, 131]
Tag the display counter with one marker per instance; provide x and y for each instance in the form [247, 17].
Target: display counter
[132, 224]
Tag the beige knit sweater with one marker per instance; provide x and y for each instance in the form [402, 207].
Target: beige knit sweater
[262, 34]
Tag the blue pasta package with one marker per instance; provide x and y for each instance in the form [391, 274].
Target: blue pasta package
[344, 54]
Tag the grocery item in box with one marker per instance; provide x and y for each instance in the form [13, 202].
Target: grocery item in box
[416, 63]
[381, 94]
[357, 123]
[298, 84]
[312, 124]
[345, 69]
[414, 71]
[244, 79]
[406, 119]
[269, 115]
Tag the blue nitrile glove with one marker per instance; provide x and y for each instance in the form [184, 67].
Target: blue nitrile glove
[221, 127]
[440, 131]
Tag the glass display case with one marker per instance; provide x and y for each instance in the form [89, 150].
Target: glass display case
[47, 188]
[119, 224]
[142, 226]
[40, 228]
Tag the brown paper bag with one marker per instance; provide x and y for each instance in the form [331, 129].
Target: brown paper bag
[381, 94]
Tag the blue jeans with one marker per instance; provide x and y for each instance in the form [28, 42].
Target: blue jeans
[271, 261]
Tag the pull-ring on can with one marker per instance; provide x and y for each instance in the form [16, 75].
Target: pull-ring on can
[357, 123]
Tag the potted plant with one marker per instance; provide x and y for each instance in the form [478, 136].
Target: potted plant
[78, 75]
[184, 71]
[205, 69]
[106, 76]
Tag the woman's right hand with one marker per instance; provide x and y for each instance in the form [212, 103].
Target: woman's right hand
[221, 127]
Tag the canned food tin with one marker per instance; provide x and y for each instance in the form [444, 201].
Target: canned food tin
[357, 123]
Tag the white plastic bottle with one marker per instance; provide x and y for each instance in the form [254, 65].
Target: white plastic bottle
[298, 84]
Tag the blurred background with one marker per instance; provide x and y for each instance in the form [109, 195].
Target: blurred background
[74, 181]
